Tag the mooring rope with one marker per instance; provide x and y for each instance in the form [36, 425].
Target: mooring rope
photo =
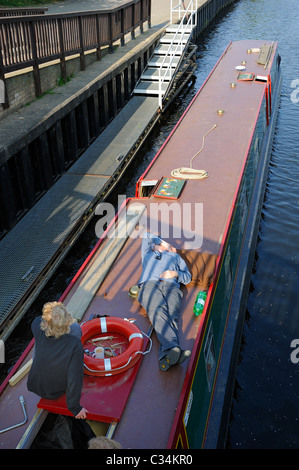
[189, 172]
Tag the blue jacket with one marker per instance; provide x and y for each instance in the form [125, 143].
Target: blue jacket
[57, 366]
[155, 263]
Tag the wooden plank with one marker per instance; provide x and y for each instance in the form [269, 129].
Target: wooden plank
[21, 373]
[264, 54]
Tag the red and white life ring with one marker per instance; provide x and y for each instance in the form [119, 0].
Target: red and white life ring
[122, 362]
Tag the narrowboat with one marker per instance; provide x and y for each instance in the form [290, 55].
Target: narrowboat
[203, 194]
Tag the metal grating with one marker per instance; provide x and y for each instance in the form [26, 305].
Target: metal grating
[31, 244]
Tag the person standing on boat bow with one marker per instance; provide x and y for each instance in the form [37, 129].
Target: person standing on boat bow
[163, 270]
[57, 366]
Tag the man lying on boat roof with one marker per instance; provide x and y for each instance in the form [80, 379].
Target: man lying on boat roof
[163, 270]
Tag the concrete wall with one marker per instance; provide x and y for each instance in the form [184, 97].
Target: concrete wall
[20, 85]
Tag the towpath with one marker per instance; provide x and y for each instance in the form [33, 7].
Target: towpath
[160, 14]
[159, 17]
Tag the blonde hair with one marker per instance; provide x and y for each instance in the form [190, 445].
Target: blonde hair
[102, 442]
[56, 320]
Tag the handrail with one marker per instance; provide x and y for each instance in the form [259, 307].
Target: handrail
[33, 40]
[189, 15]
[181, 11]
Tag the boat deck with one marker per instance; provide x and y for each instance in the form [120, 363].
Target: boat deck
[112, 299]
[150, 409]
[222, 157]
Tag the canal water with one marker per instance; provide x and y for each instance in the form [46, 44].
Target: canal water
[265, 411]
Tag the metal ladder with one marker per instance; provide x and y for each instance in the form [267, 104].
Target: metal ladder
[171, 58]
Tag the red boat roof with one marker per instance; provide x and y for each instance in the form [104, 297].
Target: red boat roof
[225, 147]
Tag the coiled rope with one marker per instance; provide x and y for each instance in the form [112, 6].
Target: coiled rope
[189, 172]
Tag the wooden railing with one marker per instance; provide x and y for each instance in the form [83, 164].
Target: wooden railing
[22, 11]
[27, 41]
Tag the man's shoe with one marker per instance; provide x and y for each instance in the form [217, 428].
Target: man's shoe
[170, 359]
[184, 355]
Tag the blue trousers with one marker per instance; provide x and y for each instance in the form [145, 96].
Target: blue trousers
[162, 302]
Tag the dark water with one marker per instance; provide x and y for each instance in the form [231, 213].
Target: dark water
[265, 406]
[265, 412]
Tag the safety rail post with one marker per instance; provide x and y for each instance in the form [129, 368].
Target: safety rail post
[111, 50]
[5, 105]
[36, 74]
[99, 53]
[149, 14]
[133, 21]
[82, 55]
[62, 51]
[122, 23]
[141, 16]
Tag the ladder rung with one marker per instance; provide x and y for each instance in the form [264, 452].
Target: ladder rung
[163, 49]
[157, 61]
[151, 73]
[174, 28]
[147, 88]
[170, 39]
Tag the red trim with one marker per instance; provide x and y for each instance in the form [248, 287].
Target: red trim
[267, 105]
[182, 439]
[270, 93]
[178, 420]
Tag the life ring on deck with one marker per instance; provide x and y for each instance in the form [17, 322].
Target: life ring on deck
[122, 362]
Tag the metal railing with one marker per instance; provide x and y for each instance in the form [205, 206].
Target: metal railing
[187, 18]
[33, 40]
[178, 7]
